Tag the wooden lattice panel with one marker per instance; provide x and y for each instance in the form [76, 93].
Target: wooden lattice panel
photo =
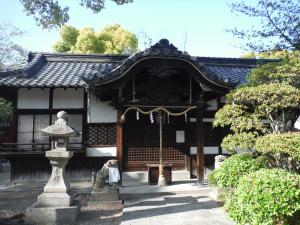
[151, 154]
[171, 154]
[111, 134]
[102, 134]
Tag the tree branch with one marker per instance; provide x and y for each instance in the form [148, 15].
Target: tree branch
[277, 28]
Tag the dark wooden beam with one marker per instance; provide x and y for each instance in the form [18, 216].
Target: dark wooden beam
[187, 146]
[120, 142]
[84, 117]
[219, 105]
[50, 105]
[200, 148]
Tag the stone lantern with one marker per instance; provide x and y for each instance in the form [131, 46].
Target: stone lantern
[55, 205]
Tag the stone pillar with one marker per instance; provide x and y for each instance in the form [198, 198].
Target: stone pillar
[219, 159]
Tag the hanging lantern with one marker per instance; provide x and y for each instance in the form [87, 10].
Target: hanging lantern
[137, 115]
[168, 117]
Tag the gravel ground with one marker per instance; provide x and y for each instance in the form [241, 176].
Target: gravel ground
[181, 203]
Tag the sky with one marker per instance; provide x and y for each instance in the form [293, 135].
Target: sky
[196, 26]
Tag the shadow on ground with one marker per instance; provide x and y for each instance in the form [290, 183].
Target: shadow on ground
[166, 205]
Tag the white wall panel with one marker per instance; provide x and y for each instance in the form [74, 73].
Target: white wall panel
[211, 150]
[223, 99]
[34, 98]
[69, 98]
[207, 150]
[224, 151]
[208, 120]
[101, 151]
[212, 105]
[100, 112]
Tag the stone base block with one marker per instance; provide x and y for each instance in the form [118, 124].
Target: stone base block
[217, 194]
[36, 215]
[104, 195]
[54, 200]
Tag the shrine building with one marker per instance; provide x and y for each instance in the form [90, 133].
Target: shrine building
[115, 102]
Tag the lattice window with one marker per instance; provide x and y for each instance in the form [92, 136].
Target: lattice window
[151, 154]
[102, 134]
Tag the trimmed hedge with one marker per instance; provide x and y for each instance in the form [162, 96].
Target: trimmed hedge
[266, 197]
[230, 171]
[286, 143]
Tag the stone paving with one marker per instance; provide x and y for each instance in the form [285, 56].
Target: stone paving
[4, 174]
[178, 204]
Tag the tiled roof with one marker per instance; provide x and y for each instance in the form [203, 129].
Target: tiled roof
[58, 70]
[78, 70]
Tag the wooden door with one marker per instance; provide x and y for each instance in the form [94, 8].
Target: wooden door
[141, 142]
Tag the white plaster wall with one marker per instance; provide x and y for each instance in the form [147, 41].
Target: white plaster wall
[34, 98]
[69, 98]
[212, 105]
[100, 112]
[223, 99]
[208, 120]
[205, 120]
[101, 151]
[207, 150]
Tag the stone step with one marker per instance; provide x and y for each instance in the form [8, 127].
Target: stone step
[142, 176]
[136, 176]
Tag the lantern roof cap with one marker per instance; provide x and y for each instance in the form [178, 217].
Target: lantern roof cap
[60, 128]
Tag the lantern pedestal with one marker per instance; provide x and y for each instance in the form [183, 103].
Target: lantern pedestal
[55, 205]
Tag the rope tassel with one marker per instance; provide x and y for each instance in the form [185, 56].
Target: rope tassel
[151, 118]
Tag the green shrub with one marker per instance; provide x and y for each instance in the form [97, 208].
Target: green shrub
[286, 143]
[282, 149]
[212, 177]
[266, 197]
[230, 171]
[243, 141]
[264, 160]
[5, 110]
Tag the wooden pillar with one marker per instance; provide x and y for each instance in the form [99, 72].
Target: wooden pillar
[120, 142]
[161, 177]
[200, 150]
[188, 144]
[220, 130]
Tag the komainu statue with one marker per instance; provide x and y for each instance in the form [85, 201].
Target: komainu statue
[103, 192]
[105, 172]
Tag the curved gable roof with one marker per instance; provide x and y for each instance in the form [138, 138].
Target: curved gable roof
[162, 49]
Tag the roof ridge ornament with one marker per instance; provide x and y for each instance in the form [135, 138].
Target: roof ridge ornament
[163, 48]
[33, 66]
[164, 43]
